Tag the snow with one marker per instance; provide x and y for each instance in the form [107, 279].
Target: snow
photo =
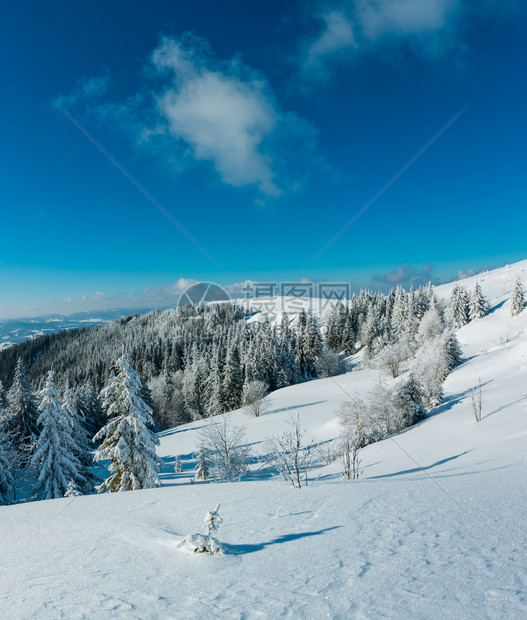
[433, 528]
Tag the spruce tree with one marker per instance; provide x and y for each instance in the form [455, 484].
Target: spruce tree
[90, 408]
[3, 398]
[127, 438]
[459, 307]
[202, 468]
[232, 380]
[451, 351]
[22, 407]
[478, 305]
[6, 478]
[409, 402]
[80, 435]
[54, 457]
[518, 298]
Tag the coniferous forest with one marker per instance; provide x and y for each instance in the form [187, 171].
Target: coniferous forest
[198, 361]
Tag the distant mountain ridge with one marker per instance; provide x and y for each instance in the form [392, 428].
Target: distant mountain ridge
[14, 331]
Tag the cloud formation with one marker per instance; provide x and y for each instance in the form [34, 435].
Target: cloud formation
[427, 27]
[195, 107]
[86, 90]
[407, 274]
[223, 111]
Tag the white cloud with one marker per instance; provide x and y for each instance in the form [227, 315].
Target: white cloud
[336, 36]
[198, 108]
[404, 18]
[428, 27]
[98, 295]
[86, 90]
[224, 112]
[165, 294]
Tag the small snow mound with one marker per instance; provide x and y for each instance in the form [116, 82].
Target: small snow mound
[198, 543]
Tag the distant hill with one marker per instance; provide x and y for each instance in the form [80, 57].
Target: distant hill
[13, 331]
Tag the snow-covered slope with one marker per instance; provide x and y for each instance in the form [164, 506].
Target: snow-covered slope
[433, 528]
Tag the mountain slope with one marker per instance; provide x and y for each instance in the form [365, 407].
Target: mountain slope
[434, 526]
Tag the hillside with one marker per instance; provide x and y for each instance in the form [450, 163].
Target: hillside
[434, 526]
[14, 331]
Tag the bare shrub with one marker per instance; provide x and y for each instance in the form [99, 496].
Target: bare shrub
[225, 448]
[328, 453]
[290, 455]
[352, 437]
[476, 400]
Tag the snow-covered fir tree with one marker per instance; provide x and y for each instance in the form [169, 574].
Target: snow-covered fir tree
[127, 439]
[6, 449]
[458, 310]
[54, 458]
[202, 468]
[409, 402]
[80, 435]
[22, 407]
[451, 351]
[90, 408]
[478, 304]
[518, 298]
[73, 490]
[3, 398]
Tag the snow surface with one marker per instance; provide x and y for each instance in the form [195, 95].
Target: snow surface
[433, 528]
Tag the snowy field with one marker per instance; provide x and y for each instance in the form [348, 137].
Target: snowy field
[433, 528]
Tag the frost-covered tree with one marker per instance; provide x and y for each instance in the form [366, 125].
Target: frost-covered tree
[22, 407]
[3, 398]
[7, 482]
[518, 298]
[253, 396]
[409, 402]
[90, 408]
[80, 435]
[391, 356]
[309, 344]
[232, 379]
[202, 468]
[352, 437]
[290, 454]
[458, 310]
[329, 363]
[478, 304]
[54, 458]
[431, 325]
[73, 490]
[336, 326]
[127, 439]
[381, 407]
[431, 368]
[451, 350]
[226, 448]
[177, 466]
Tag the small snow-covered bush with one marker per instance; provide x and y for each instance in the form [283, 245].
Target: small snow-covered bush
[200, 543]
[253, 394]
[391, 357]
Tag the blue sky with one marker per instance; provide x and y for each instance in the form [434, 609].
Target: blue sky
[262, 130]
